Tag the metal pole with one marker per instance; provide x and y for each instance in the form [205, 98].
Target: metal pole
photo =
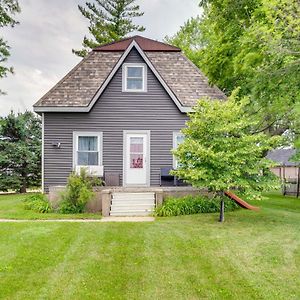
[298, 182]
[222, 210]
[284, 187]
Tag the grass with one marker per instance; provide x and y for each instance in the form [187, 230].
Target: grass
[253, 255]
[12, 207]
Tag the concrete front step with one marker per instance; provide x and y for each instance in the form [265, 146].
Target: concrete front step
[132, 196]
[130, 207]
[132, 204]
[130, 213]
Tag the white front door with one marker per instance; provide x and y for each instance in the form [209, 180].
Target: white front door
[136, 158]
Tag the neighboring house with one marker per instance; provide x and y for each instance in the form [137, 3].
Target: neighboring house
[285, 169]
[120, 110]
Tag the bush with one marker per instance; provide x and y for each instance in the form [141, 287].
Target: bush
[192, 205]
[37, 203]
[78, 192]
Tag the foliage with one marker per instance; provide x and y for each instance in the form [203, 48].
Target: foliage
[189, 39]
[254, 45]
[110, 20]
[221, 153]
[20, 151]
[78, 192]
[12, 207]
[253, 256]
[7, 10]
[189, 205]
[37, 203]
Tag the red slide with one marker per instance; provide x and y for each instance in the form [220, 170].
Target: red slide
[240, 202]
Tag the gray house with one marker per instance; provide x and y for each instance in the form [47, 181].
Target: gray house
[119, 113]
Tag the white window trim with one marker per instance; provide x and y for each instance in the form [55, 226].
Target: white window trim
[76, 135]
[124, 77]
[175, 135]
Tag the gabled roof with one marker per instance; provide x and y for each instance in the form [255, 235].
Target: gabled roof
[283, 156]
[81, 87]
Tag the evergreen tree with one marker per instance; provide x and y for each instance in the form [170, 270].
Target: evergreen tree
[20, 151]
[110, 20]
[7, 10]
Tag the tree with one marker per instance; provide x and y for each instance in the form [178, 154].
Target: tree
[110, 20]
[254, 45]
[20, 151]
[189, 39]
[220, 152]
[7, 10]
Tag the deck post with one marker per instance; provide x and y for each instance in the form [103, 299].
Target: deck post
[159, 197]
[222, 206]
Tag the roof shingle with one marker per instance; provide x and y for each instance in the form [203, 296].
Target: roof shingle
[79, 86]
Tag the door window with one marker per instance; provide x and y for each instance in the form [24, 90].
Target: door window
[136, 152]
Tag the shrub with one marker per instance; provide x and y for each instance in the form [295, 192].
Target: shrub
[37, 203]
[192, 205]
[78, 192]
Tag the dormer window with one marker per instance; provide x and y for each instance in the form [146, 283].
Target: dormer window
[134, 78]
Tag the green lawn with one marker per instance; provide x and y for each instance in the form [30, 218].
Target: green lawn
[251, 256]
[12, 207]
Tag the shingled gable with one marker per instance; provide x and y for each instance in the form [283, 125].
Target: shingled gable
[79, 90]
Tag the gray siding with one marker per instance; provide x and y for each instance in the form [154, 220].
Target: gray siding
[114, 112]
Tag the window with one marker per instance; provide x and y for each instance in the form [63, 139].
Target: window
[87, 149]
[134, 77]
[178, 138]
[136, 152]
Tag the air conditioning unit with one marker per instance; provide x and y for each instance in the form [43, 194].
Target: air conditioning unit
[96, 171]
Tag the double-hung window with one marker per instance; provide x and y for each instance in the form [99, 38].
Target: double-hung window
[134, 77]
[87, 148]
[178, 138]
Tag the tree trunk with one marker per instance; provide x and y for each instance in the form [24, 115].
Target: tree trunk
[23, 187]
[222, 210]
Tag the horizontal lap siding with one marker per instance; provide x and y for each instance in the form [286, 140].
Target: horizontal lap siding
[114, 112]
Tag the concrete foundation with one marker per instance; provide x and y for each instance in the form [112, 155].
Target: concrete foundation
[102, 200]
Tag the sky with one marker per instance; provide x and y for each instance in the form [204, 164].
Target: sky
[41, 45]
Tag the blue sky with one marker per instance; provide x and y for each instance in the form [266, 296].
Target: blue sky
[41, 45]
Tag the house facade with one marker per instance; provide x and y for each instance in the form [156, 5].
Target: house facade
[119, 113]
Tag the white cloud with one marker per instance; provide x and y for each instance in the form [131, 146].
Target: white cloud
[42, 43]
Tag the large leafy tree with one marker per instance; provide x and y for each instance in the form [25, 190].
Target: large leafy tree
[221, 152]
[110, 20]
[189, 39]
[254, 45]
[20, 151]
[8, 8]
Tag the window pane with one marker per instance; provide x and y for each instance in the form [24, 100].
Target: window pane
[136, 161]
[136, 144]
[87, 143]
[179, 139]
[93, 158]
[134, 84]
[135, 72]
[83, 159]
[87, 158]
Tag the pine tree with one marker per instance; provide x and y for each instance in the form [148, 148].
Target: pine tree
[7, 10]
[20, 151]
[110, 20]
